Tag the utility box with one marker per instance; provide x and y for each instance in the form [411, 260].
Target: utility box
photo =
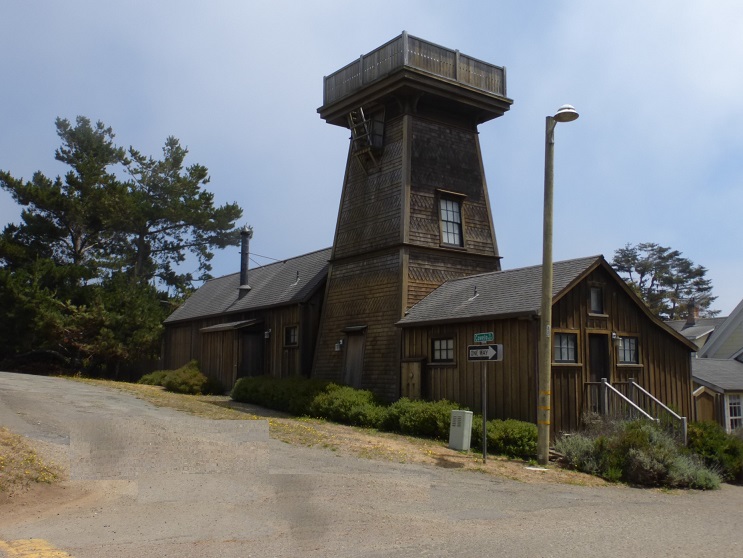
[460, 430]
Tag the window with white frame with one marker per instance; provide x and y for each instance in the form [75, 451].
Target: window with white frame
[735, 411]
[564, 347]
[628, 351]
[443, 350]
[451, 221]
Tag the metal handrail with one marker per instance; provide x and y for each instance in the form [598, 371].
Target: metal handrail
[683, 421]
[626, 399]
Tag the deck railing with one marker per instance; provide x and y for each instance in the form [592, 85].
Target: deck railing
[412, 52]
[629, 400]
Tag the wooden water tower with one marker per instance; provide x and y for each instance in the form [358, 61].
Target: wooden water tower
[414, 210]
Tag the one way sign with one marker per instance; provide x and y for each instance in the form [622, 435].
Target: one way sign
[485, 352]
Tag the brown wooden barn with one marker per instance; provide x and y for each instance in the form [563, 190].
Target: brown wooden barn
[247, 325]
[600, 329]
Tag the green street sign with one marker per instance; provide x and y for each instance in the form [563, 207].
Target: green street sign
[484, 337]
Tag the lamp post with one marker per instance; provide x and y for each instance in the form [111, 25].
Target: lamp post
[566, 113]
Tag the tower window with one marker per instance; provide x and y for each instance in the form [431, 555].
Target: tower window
[451, 221]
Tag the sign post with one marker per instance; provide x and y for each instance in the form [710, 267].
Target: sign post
[484, 354]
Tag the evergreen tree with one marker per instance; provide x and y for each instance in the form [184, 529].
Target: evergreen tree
[665, 280]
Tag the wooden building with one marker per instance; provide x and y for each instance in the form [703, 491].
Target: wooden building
[600, 329]
[247, 325]
[718, 393]
[414, 209]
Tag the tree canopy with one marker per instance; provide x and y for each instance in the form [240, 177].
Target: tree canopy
[100, 254]
[665, 280]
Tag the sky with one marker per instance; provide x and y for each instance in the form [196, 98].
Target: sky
[656, 155]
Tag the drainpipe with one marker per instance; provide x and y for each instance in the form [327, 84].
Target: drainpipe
[245, 235]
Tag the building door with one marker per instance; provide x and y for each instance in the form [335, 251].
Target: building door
[251, 357]
[354, 361]
[598, 357]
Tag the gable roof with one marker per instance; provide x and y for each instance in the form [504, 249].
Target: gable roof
[700, 328]
[717, 373]
[278, 284]
[498, 294]
[512, 293]
[727, 337]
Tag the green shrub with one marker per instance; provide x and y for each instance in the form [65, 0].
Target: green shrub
[512, 438]
[154, 378]
[430, 419]
[347, 406]
[637, 452]
[291, 395]
[188, 379]
[717, 449]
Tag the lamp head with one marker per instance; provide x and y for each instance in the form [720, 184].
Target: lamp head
[566, 113]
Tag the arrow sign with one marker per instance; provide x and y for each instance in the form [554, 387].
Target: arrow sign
[485, 352]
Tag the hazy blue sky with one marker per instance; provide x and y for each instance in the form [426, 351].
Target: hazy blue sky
[657, 154]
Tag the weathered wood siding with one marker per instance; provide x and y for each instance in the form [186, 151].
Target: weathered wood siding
[370, 210]
[219, 353]
[388, 252]
[664, 367]
[511, 382]
[363, 292]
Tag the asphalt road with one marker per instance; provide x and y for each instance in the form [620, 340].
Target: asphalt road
[153, 482]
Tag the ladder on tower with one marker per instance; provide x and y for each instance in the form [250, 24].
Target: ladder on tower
[366, 137]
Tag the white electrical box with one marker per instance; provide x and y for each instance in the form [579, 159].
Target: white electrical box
[460, 430]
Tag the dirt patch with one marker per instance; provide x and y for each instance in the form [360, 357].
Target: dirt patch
[21, 465]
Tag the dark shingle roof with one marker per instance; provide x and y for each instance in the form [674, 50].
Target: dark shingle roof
[725, 374]
[499, 294]
[276, 284]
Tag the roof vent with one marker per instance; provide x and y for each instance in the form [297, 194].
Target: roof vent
[474, 296]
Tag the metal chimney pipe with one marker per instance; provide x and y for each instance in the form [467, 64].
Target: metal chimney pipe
[245, 235]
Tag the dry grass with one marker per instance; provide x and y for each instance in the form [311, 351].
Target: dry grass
[20, 464]
[348, 440]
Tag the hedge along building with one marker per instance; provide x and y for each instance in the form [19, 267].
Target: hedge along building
[600, 329]
[414, 209]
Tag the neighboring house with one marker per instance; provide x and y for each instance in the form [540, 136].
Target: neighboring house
[262, 323]
[718, 394]
[727, 339]
[695, 329]
[600, 329]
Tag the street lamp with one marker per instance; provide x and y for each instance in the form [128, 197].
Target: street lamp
[566, 113]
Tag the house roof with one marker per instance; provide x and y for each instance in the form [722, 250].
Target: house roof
[701, 327]
[728, 336]
[497, 294]
[281, 283]
[718, 374]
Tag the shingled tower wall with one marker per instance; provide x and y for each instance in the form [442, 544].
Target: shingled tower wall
[414, 209]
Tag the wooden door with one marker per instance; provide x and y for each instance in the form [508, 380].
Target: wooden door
[598, 357]
[251, 358]
[354, 361]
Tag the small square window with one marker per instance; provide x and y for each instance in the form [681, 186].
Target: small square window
[564, 347]
[443, 350]
[628, 351]
[290, 336]
[597, 300]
